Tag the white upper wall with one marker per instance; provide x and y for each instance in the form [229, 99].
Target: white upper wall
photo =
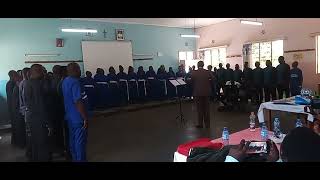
[296, 31]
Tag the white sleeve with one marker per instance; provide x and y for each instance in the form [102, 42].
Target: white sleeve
[230, 159]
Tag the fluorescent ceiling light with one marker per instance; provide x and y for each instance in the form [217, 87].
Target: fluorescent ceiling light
[251, 22]
[190, 35]
[80, 30]
[41, 55]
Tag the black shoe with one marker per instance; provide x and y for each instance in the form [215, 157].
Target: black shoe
[199, 127]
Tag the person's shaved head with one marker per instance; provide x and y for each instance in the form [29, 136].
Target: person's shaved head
[36, 71]
[25, 72]
[56, 70]
[74, 70]
[12, 74]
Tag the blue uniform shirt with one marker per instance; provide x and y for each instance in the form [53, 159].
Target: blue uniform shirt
[72, 92]
[122, 75]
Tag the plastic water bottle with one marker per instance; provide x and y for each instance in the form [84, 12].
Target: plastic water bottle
[225, 136]
[252, 122]
[299, 123]
[276, 127]
[264, 132]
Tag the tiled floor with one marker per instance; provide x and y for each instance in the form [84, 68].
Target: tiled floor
[146, 135]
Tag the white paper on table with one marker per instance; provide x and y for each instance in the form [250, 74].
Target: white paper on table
[174, 82]
[181, 82]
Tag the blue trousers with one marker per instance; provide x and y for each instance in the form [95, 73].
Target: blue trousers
[78, 142]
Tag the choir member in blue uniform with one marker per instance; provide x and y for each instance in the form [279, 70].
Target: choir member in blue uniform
[181, 72]
[102, 88]
[171, 89]
[142, 86]
[151, 83]
[123, 86]
[113, 87]
[188, 90]
[89, 85]
[76, 112]
[161, 90]
[296, 79]
[133, 85]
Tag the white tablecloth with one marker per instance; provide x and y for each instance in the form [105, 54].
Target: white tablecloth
[179, 157]
[282, 107]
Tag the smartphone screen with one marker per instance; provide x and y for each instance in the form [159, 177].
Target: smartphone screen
[257, 147]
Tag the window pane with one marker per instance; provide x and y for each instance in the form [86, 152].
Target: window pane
[190, 61]
[265, 53]
[215, 57]
[223, 56]
[207, 58]
[182, 55]
[189, 55]
[277, 50]
[255, 54]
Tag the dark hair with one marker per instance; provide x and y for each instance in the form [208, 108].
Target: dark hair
[295, 64]
[73, 69]
[11, 73]
[56, 69]
[200, 64]
[25, 72]
[281, 59]
[36, 71]
[111, 69]
[257, 63]
[130, 69]
[301, 145]
[88, 73]
[268, 63]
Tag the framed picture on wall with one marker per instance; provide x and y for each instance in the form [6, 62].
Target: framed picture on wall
[120, 34]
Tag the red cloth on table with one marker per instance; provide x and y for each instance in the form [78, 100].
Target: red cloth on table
[203, 142]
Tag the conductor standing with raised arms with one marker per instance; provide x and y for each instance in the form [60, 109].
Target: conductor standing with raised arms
[202, 91]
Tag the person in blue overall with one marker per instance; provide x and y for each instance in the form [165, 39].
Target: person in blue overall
[90, 89]
[162, 83]
[141, 76]
[151, 83]
[296, 79]
[76, 112]
[113, 87]
[123, 85]
[133, 85]
[101, 88]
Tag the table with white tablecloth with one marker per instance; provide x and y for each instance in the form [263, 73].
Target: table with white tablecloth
[292, 108]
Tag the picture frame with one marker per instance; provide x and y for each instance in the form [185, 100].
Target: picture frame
[119, 34]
